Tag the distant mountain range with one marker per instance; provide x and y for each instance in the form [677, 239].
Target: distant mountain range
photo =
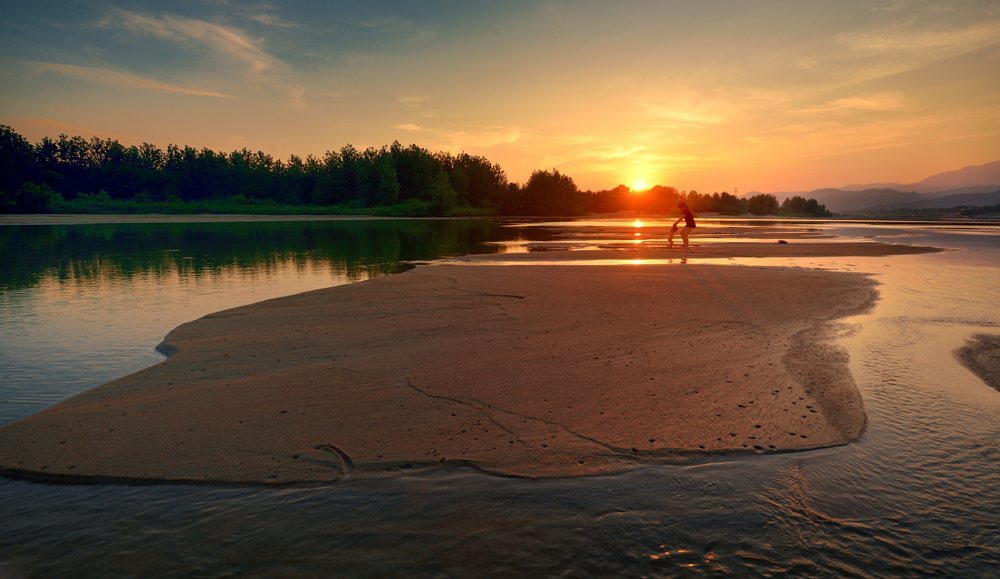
[977, 185]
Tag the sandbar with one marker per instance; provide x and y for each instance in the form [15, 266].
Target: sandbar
[714, 251]
[522, 370]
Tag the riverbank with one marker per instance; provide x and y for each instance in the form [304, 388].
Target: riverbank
[524, 371]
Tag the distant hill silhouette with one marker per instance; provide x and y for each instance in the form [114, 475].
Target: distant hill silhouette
[948, 201]
[984, 177]
[840, 200]
[972, 179]
[948, 189]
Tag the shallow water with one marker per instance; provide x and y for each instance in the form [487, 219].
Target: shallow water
[83, 304]
[917, 495]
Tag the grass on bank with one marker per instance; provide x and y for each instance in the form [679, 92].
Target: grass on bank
[102, 203]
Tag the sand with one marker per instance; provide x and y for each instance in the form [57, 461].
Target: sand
[719, 251]
[534, 371]
[981, 355]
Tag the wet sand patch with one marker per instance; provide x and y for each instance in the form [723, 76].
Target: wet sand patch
[523, 371]
[981, 355]
[712, 250]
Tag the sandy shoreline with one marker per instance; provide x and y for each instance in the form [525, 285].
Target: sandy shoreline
[722, 250]
[523, 370]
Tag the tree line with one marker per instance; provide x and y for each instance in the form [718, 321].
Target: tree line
[73, 174]
[660, 199]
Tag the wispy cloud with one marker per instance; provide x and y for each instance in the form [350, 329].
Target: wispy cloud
[458, 139]
[297, 94]
[387, 24]
[680, 111]
[223, 41]
[420, 104]
[888, 101]
[483, 138]
[908, 39]
[115, 78]
[574, 140]
[271, 20]
[830, 138]
[392, 24]
[892, 6]
[416, 101]
[266, 14]
[864, 56]
[618, 152]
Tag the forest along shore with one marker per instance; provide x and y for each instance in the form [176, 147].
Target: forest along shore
[522, 370]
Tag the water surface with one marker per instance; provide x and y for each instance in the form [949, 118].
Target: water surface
[917, 495]
[83, 304]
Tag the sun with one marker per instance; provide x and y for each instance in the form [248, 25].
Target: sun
[639, 185]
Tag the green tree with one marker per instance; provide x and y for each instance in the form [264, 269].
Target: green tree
[551, 193]
[33, 198]
[443, 197]
[727, 204]
[460, 183]
[416, 170]
[763, 204]
[801, 206]
[386, 181]
[17, 160]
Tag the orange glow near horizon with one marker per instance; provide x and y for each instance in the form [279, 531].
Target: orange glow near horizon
[639, 185]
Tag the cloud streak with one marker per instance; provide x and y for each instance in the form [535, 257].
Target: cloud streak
[882, 102]
[922, 43]
[395, 25]
[265, 15]
[221, 40]
[119, 79]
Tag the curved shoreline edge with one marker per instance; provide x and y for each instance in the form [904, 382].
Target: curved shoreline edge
[481, 367]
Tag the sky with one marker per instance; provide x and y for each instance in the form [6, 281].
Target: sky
[706, 95]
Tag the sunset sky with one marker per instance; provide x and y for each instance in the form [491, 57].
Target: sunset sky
[708, 95]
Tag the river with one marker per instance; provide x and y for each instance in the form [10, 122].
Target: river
[917, 495]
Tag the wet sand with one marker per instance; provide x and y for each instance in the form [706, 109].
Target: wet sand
[523, 370]
[981, 355]
[720, 250]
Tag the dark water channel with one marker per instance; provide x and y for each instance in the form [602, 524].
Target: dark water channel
[916, 496]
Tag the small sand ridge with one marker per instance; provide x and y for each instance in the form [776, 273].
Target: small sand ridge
[523, 371]
[981, 355]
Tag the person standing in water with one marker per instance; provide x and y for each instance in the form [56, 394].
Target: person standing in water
[689, 225]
